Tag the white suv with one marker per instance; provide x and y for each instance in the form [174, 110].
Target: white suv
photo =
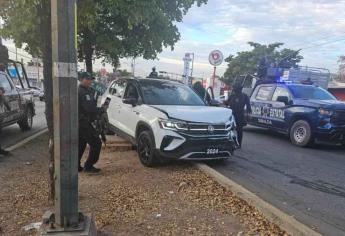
[168, 120]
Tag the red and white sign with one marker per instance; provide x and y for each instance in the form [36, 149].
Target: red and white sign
[216, 58]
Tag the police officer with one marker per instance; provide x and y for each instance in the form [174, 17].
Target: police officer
[201, 91]
[88, 112]
[154, 73]
[237, 102]
[3, 105]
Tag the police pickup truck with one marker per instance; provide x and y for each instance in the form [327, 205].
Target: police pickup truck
[20, 101]
[306, 113]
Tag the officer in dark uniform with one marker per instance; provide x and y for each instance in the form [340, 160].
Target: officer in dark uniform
[88, 113]
[202, 92]
[237, 102]
[154, 73]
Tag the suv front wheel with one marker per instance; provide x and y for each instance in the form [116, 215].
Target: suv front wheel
[146, 147]
[300, 133]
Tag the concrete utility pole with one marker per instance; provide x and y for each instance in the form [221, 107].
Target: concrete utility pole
[66, 220]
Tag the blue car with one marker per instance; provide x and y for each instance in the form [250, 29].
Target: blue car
[306, 113]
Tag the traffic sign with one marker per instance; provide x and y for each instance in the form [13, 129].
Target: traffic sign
[216, 58]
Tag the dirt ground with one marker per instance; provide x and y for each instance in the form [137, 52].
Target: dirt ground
[127, 198]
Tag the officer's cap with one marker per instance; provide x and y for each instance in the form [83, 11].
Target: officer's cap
[85, 75]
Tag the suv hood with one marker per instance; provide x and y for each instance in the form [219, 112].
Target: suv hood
[200, 114]
[328, 104]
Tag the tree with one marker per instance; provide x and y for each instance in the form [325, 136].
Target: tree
[114, 29]
[34, 33]
[106, 28]
[246, 62]
[124, 73]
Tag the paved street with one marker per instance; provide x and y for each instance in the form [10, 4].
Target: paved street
[307, 183]
[12, 134]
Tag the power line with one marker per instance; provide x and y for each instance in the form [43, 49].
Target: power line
[325, 43]
[312, 42]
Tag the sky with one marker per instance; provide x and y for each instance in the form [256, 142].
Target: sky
[315, 26]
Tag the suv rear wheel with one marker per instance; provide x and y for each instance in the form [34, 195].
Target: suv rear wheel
[146, 148]
[300, 133]
[26, 123]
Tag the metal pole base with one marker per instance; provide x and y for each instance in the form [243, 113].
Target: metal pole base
[86, 226]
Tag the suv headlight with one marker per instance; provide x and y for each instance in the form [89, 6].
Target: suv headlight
[173, 125]
[232, 122]
[325, 112]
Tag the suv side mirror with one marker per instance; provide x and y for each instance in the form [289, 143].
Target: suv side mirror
[112, 91]
[283, 99]
[214, 103]
[132, 101]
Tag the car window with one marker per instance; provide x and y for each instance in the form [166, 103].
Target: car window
[22, 76]
[280, 92]
[5, 83]
[264, 93]
[310, 92]
[118, 88]
[168, 93]
[131, 92]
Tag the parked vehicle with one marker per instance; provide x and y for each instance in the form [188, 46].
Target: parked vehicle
[36, 92]
[168, 120]
[299, 75]
[21, 103]
[41, 96]
[306, 113]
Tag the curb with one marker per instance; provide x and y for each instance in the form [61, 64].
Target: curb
[26, 140]
[273, 214]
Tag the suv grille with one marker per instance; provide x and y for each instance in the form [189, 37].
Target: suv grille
[203, 129]
[338, 118]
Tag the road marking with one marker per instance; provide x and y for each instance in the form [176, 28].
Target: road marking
[26, 140]
[273, 214]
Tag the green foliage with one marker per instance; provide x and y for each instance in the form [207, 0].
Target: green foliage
[109, 29]
[3, 57]
[129, 28]
[125, 73]
[21, 23]
[246, 62]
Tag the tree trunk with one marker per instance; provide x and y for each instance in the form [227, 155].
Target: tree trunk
[45, 28]
[88, 61]
[88, 52]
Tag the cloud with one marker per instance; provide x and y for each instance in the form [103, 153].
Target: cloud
[316, 26]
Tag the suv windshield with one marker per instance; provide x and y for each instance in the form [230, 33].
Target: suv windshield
[168, 93]
[310, 92]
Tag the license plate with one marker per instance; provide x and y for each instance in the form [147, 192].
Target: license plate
[212, 151]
